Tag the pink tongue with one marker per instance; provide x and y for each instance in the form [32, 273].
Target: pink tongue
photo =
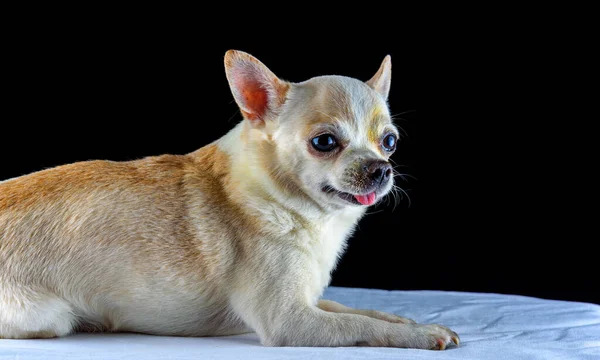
[368, 199]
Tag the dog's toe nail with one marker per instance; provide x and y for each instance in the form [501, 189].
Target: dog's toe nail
[441, 344]
[456, 340]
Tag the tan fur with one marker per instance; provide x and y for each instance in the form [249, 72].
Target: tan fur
[238, 236]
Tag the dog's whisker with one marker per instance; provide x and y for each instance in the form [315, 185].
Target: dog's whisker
[397, 116]
[402, 194]
[234, 115]
[388, 199]
[402, 131]
[403, 176]
[390, 196]
[374, 212]
[402, 113]
[398, 197]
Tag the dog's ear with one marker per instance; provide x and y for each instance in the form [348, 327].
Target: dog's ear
[381, 81]
[257, 91]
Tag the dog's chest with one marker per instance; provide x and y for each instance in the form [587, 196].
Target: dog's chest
[326, 245]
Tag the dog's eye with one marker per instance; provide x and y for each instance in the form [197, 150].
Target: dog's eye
[325, 142]
[389, 142]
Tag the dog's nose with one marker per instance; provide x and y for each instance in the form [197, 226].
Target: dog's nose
[379, 170]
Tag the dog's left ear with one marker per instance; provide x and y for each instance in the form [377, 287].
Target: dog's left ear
[381, 81]
[258, 92]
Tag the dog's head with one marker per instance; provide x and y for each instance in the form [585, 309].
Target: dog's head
[330, 136]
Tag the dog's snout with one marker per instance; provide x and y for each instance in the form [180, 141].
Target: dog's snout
[378, 170]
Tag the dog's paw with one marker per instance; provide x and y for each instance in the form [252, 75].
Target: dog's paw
[389, 317]
[438, 337]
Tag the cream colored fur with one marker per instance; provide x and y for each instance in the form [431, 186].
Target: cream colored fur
[238, 236]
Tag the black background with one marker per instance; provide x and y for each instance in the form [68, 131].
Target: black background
[490, 209]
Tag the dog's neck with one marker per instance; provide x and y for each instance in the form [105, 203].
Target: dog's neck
[262, 183]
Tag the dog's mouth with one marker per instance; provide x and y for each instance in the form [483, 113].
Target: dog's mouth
[366, 199]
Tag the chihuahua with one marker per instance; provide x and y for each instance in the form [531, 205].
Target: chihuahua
[238, 236]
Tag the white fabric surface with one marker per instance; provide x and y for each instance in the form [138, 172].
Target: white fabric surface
[499, 327]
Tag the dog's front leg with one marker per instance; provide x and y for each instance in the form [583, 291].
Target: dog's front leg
[335, 307]
[280, 312]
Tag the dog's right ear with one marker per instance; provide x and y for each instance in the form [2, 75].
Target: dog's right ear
[257, 91]
[381, 81]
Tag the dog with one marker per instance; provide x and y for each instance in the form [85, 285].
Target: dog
[239, 236]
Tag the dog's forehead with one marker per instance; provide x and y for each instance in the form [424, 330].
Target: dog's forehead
[348, 99]
[348, 104]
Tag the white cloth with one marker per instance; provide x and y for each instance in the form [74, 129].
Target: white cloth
[491, 326]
